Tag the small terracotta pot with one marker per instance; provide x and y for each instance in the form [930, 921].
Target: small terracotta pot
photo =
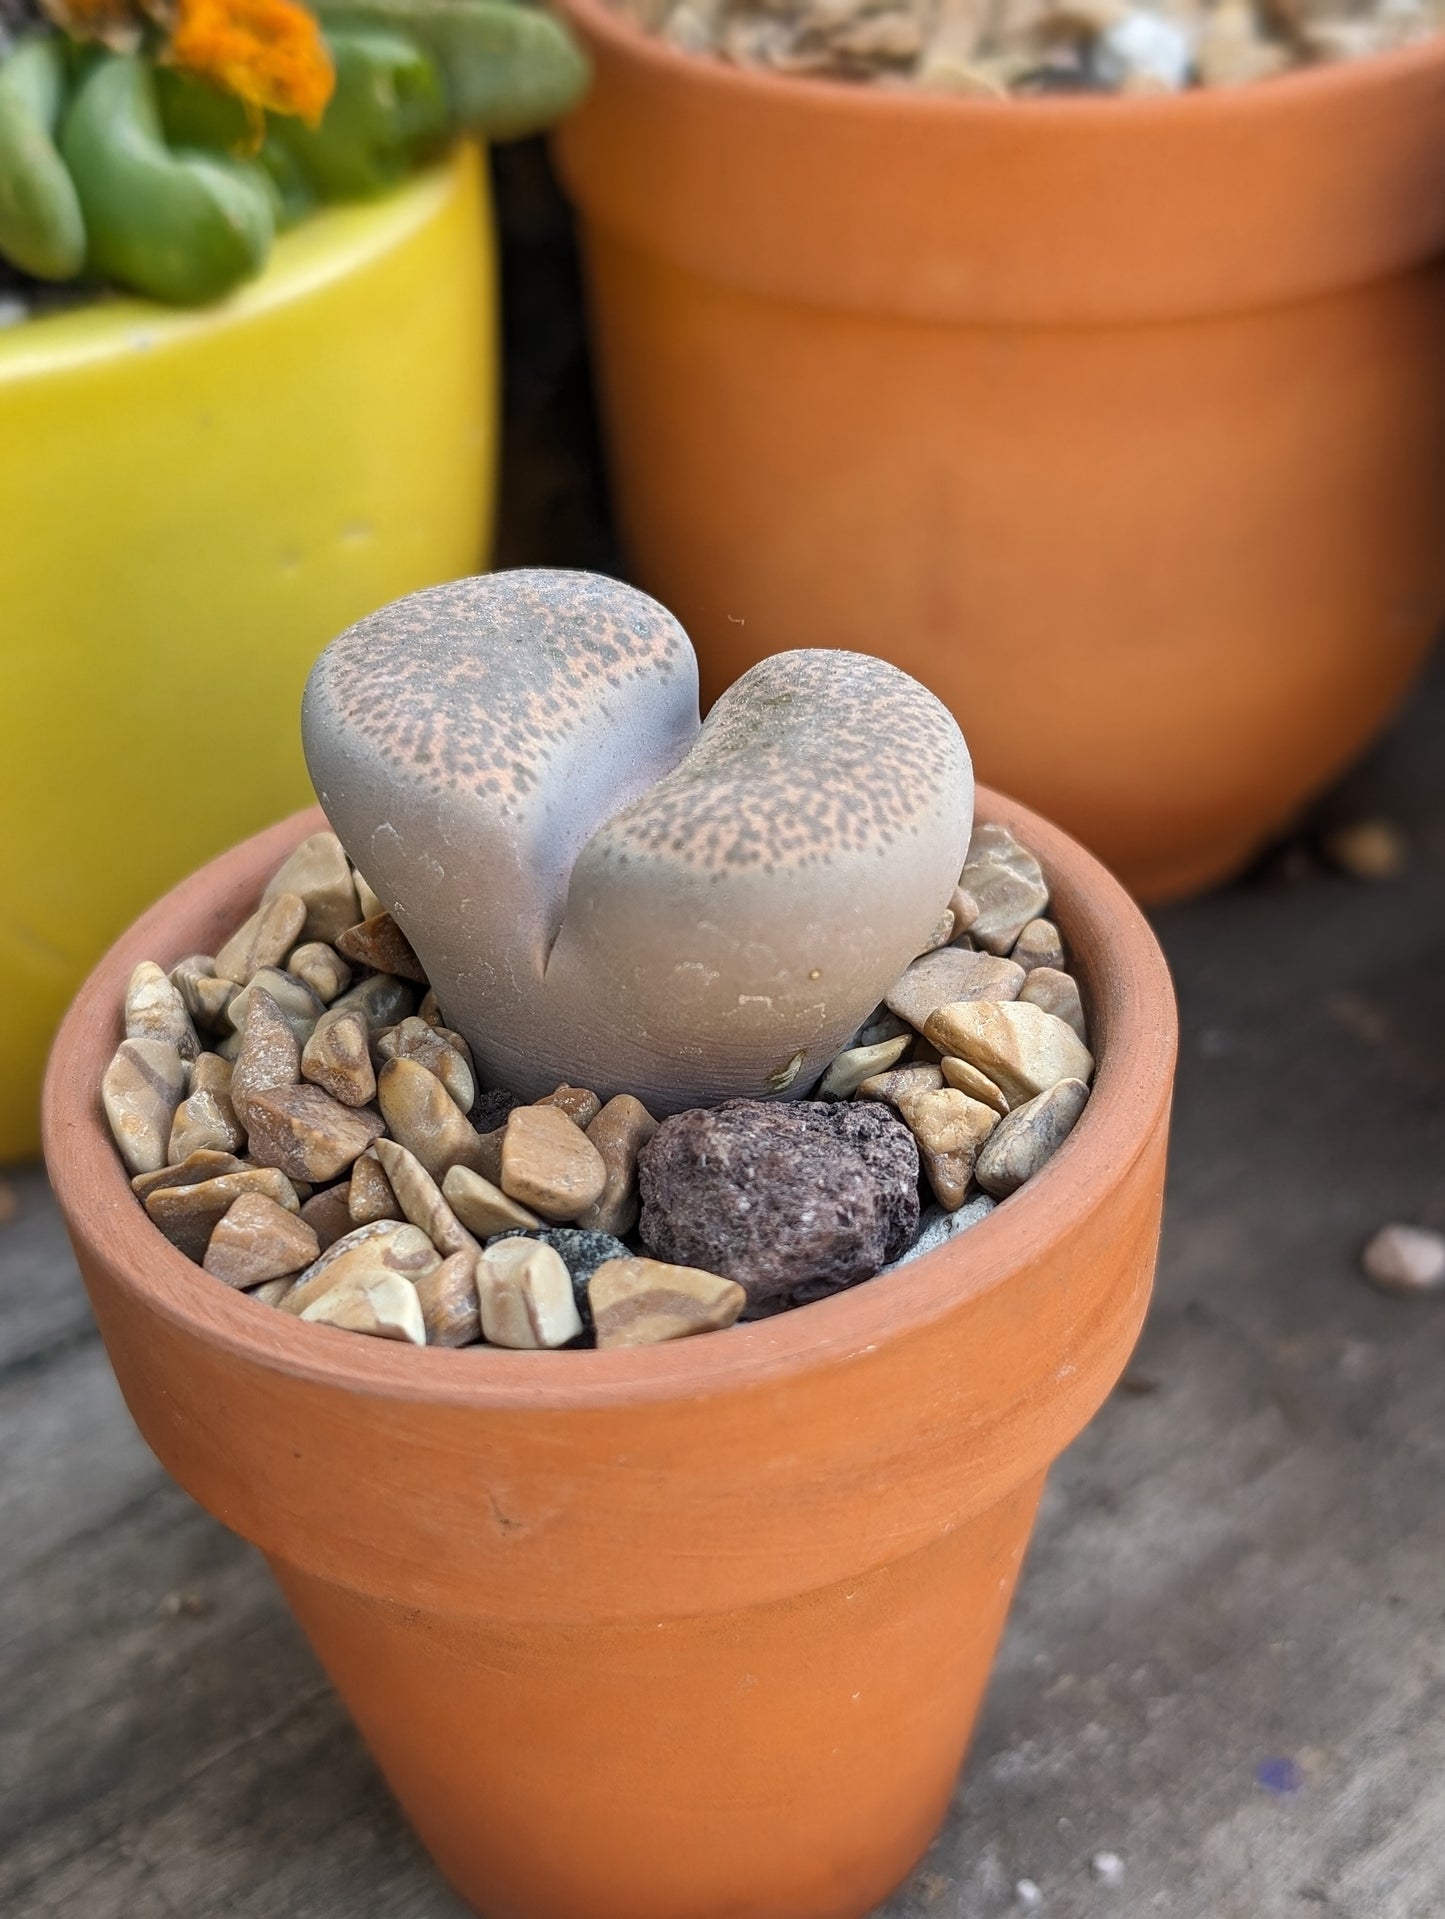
[1121, 423]
[693, 1632]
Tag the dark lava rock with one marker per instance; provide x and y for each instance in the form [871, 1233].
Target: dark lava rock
[491, 1108]
[582, 1253]
[781, 1196]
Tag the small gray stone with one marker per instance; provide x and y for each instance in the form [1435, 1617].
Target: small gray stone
[1023, 1143]
[1056, 993]
[951, 974]
[937, 1227]
[1008, 884]
[1406, 1260]
[383, 1001]
[1039, 944]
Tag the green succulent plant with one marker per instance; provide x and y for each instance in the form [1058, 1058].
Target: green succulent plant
[116, 164]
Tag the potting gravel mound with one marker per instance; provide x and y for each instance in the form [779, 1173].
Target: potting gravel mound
[1031, 47]
[298, 1119]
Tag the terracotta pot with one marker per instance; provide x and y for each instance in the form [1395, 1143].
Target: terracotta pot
[191, 505]
[1121, 423]
[695, 1632]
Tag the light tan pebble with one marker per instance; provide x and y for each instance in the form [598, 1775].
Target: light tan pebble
[900, 1082]
[155, 1010]
[269, 1054]
[951, 974]
[580, 1106]
[429, 1010]
[320, 873]
[1406, 1260]
[422, 1116]
[968, 1079]
[371, 1197]
[949, 1128]
[204, 1123]
[964, 908]
[198, 1166]
[366, 899]
[549, 1164]
[306, 1132]
[337, 1057]
[446, 1055]
[483, 1206]
[880, 1025]
[423, 1201]
[1039, 944]
[1024, 1143]
[941, 934]
[641, 1302]
[1008, 884]
[381, 944]
[450, 1306]
[940, 70]
[142, 1087]
[1230, 50]
[376, 1302]
[264, 940]
[211, 1074]
[328, 1214]
[395, 1245]
[322, 968]
[272, 1292]
[849, 1070]
[1021, 1048]
[525, 1294]
[203, 994]
[293, 998]
[256, 1239]
[619, 1132]
[187, 1215]
[382, 1001]
[1056, 993]
[1368, 850]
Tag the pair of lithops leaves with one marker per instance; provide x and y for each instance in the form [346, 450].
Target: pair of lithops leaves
[605, 889]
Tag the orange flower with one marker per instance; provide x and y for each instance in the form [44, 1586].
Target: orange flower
[269, 53]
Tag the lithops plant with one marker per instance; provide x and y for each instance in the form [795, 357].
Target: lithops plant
[601, 888]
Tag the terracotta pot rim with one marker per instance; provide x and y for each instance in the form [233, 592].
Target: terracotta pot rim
[1053, 117]
[1134, 1067]
[325, 247]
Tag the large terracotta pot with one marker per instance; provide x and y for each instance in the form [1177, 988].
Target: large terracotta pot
[191, 505]
[1121, 423]
[694, 1632]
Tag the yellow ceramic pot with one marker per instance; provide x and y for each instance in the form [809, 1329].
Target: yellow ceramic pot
[191, 505]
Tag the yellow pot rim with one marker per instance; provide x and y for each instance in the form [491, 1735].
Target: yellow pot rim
[323, 248]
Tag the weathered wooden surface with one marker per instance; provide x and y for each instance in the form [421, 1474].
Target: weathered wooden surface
[1240, 1563]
